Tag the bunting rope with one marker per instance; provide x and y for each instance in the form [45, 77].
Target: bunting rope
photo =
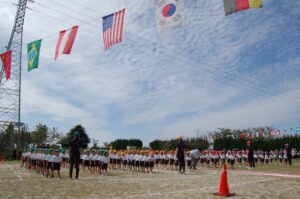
[205, 67]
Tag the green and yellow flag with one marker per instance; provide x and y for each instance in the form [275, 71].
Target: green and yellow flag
[33, 54]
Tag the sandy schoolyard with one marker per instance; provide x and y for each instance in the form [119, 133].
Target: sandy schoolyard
[263, 182]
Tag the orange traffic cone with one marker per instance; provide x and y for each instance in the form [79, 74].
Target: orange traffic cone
[224, 189]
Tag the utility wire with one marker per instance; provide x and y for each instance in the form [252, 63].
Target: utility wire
[184, 61]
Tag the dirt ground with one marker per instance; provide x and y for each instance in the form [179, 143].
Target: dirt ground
[16, 182]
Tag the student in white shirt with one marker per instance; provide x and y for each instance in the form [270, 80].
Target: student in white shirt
[86, 160]
[152, 161]
[188, 160]
[56, 160]
[124, 157]
[92, 161]
[48, 160]
[99, 162]
[105, 161]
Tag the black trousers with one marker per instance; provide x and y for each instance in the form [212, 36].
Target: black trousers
[251, 162]
[181, 164]
[74, 161]
[290, 161]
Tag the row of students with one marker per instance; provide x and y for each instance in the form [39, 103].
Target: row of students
[97, 163]
[46, 162]
[209, 158]
[145, 161]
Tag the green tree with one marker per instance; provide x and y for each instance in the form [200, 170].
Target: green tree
[121, 144]
[64, 141]
[85, 139]
[157, 144]
[25, 139]
[40, 134]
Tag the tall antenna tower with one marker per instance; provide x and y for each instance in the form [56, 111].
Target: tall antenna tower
[10, 91]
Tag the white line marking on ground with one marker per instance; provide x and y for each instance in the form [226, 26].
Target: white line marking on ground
[99, 178]
[191, 190]
[268, 174]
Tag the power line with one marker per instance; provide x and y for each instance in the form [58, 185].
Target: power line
[184, 61]
[74, 10]
[241, 84]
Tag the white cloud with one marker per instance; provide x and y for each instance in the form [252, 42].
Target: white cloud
[206, 70]
[257, 112]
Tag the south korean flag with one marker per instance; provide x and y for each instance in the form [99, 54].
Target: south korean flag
[169, 14]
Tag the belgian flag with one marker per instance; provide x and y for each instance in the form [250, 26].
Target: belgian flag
[232, 6]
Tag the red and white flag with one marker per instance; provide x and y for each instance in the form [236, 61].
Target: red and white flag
[6, 60]
[272, 133]
[248, 134]
[65, 43]
[113, 28]
[278, 132]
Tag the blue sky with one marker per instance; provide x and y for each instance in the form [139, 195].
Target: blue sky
[239, 71]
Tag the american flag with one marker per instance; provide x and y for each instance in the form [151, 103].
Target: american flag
[113, 28]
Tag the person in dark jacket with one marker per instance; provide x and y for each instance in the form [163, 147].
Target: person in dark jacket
[288, 153]
[250, 155]
[74, 150]
[180, 154]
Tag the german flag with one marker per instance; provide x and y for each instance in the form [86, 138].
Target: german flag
[232, 6]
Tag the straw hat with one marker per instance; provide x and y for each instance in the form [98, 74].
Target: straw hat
[178, 137]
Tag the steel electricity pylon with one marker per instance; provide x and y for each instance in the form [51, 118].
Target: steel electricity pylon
[10, 91]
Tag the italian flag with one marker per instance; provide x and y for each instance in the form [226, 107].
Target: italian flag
[232, 6]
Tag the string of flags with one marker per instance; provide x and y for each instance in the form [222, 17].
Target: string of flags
[113, 28]
[169, 14]
[65, 43]
[6, 60]
[256, 133]
[33, 50]
[232, 6]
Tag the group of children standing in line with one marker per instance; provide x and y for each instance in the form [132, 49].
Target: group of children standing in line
[48, 162]
[263, 158]
[45, 162]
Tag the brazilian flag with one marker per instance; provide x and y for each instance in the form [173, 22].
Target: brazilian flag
[33, 54]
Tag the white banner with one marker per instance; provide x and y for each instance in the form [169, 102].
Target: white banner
[169, 14]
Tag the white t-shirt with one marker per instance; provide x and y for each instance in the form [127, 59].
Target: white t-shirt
[231, 157]
[131, 157]
[105, 160]
[85, 157]
[95, 157]
[42, 157]
[48, 157]
[91, 157]
[56, 159]
[188, 158]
